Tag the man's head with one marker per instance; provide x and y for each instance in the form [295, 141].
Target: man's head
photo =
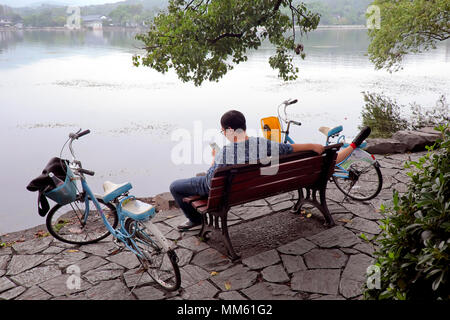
[233, 124]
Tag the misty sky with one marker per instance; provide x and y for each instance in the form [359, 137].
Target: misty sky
[21, 3]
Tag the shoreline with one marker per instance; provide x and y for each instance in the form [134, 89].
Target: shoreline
[2, 29]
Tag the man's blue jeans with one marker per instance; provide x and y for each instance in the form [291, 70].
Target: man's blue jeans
[189, 187]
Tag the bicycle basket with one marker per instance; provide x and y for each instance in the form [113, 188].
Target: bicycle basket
[271, 128]
[66, 192]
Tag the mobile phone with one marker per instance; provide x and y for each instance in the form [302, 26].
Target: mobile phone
[214, 146]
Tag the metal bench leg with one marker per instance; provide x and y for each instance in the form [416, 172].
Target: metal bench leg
[322, 206]
[329, 222]
[226, 239]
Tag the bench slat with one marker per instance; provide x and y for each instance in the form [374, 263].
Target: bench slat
[265, 190]
[254, 171]
[263, 179]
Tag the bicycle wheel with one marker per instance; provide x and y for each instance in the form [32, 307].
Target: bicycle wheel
[364, 181]
[158, 261]
[66, 223]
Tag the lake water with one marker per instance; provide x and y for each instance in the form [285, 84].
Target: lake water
[54, 82]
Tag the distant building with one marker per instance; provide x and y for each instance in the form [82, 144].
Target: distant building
[5, 23]
[94, 22]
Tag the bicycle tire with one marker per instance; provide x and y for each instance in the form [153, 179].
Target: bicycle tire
[354, 177]
[57, 222]
[161, 265]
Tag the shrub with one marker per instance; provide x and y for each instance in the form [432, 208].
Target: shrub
[430, 117]
[385, 116]
[382, 115]
[414, 247]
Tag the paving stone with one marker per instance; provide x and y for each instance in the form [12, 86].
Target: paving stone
[5, 251]
[269, 291]
[175, 221]
[126, 259]
[364, 225]
[280, 198]
[297, 247]
[96, 275]
[173, 235]
[235, 278]
[325, 259]
[133, 276]
[248, 213]
[32, 246]
[164, 228]
[231, 295]
[193, 243]
[34, 293]
[184, 256]
[191, 275]
[293, 263]
[148, 293]
[102, 249]
[211, 260]
[256, 203]
[342, 218]
[363, 211]
[275, 274]
[335, 237]
[57, 286]
[12, 293]
[262, 260]
[109, 290]
[66, 258]
[365, 247]
[36, 275]
[52, 250]
[90, 263]
[6, 284]
[324, 281]
[350, 288]
[21, 263]
[200, 291]
[356, 267]
[350, 250]
[4, 261]
[285, 205]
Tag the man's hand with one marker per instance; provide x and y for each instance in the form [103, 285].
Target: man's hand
[318, 148]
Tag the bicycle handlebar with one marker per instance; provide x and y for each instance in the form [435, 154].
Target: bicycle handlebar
[286, 104]
[75, 136]
[88, 172]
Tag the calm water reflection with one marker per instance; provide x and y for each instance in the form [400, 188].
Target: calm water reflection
[54, 82]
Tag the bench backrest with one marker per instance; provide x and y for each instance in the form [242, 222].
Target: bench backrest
[237, 184]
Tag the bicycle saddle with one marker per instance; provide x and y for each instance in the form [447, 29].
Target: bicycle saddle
[137, 210]
[113, 190]
[329, 132]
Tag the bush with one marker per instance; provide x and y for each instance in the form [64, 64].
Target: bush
[414, 247]
[382, 115]
[385, 116]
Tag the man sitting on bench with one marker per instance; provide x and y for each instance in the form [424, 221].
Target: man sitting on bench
[242, 149]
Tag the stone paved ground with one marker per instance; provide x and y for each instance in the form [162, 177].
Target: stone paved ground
[298, 260]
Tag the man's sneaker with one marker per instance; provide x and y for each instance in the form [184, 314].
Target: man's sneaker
[188, 225]
[362, 135]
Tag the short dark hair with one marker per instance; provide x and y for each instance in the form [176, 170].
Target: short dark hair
[233, 119]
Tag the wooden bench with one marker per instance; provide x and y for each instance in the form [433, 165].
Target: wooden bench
[237, 184]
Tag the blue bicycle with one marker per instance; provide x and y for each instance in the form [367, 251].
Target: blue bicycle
[82, 217]
[358, 176]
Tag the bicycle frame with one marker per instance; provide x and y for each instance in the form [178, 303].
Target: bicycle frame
[341, 167]
[121, 234]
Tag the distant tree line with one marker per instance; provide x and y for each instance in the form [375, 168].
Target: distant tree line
[133, 12]
[126, 13]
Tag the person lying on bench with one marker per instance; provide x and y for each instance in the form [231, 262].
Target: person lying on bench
[233, 128]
